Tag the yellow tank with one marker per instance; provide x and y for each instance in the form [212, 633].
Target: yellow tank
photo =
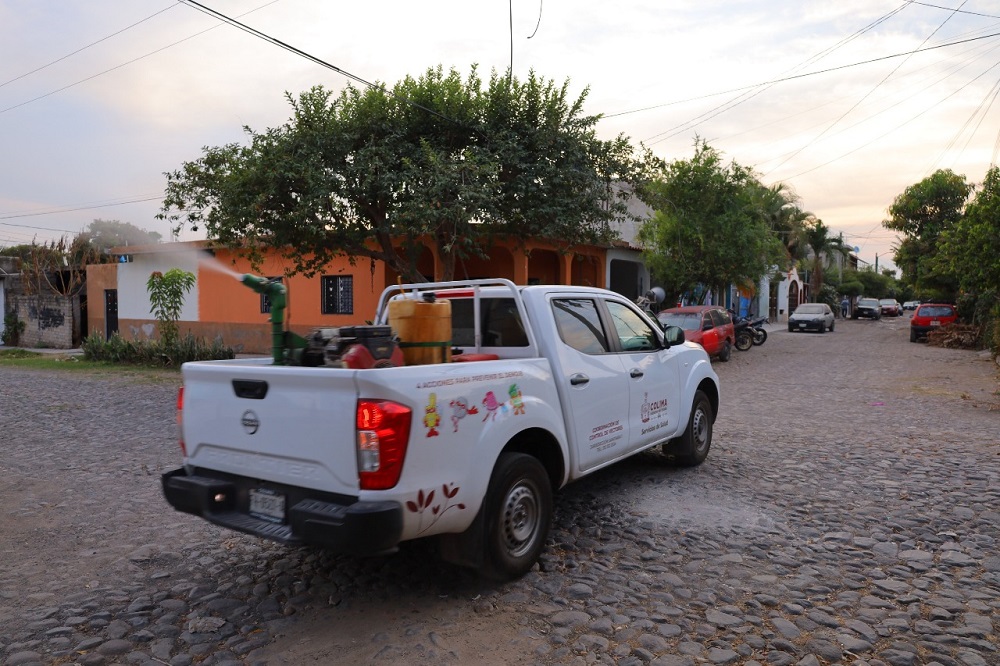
[423, 328]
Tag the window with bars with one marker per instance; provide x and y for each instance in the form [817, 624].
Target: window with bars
[338, 294]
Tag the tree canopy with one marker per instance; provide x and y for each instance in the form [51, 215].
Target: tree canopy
[371, 172]
[708, 225]
[106, 234]
[922, 213]
[818, 237]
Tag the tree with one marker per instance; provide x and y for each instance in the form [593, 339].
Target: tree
[166, 297]
[707, 227]
[823, 245]
[779, 206]
[373, 172]
[106, 234]
[970, 251]
[922, 213]
[57, 267]
[875, 284]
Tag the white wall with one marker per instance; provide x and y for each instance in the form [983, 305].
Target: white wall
[133, 298]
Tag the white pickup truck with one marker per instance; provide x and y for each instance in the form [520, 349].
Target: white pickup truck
[359, 460]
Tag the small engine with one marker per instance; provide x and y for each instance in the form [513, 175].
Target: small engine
[357, 347]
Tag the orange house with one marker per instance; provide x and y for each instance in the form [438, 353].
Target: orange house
[343, 294]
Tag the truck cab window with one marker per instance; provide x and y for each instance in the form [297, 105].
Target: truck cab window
[634, 334]
[579, 325]
[500, 323]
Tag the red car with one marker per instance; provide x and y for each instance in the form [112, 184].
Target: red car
[929, 316]
[708, 325]
[891, 307]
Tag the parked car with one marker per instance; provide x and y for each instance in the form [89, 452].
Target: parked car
[930, 316]
[868, 308]
[708, 325]
[891, 307]
[811, 317]
[911, 305]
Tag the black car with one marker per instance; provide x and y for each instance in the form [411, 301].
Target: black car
[868, 308]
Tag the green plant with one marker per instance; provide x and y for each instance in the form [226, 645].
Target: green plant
[12, 329]
[166, 295]
[157, 353]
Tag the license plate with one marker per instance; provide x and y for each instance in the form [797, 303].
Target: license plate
[267, 504]
[802, 325]
[935, 323]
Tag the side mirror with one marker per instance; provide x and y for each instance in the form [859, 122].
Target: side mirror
[673, 335]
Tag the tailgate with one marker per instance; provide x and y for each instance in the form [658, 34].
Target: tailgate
[288, 425]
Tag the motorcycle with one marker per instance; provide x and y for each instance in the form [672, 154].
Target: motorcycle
[744, 334]
[757, 330]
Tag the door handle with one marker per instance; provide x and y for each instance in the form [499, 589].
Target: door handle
[579, 379]
[635, 373]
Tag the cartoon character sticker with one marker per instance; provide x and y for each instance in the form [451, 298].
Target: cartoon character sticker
[515, 399]
[459, 408]
[492, 406]
[431, 417]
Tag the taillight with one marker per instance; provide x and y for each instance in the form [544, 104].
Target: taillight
[383, 433]
[180, 421]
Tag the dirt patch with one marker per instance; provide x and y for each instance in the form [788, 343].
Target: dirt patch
[409, 630]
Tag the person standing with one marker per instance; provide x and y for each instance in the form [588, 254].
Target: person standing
[844, 307]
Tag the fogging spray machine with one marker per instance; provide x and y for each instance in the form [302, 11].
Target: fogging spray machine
[345, 347]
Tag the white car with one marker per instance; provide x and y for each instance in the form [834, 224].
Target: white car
[811, 317]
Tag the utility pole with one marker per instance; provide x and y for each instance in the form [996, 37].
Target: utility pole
[876, 263]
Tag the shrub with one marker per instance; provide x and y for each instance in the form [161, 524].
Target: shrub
[12, 329]
[157, 353]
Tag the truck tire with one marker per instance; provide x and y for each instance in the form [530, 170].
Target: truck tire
[518, 507]
[692, 447]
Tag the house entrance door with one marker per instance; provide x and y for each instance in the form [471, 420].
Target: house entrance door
[110, 312]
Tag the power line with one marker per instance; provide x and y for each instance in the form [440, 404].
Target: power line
[124, 64]
[311, 58]
[747, 96]
[950, 9]
[84, 48]
[915, 92]
[866, 95]
[802, 76]
[15, 216]
[897, 127]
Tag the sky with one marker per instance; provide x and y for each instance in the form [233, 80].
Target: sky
[847, 103]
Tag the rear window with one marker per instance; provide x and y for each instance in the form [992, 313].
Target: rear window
[810, 309]
[936, 311]
[689, 321]
[500, 323]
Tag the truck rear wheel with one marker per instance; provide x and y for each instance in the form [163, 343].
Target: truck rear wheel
[518, 508]
[692, 447]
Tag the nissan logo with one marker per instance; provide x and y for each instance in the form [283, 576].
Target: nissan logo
[250, 422]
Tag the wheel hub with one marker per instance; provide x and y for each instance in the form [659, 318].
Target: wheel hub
[520, 519]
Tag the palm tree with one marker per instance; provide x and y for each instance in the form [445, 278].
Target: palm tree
[818, 239]
[779, 206]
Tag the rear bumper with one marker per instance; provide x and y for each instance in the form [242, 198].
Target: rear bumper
[807, 325]
[922, 331]
[324, 519]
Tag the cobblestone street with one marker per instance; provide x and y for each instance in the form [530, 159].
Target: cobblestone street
[848, 513]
